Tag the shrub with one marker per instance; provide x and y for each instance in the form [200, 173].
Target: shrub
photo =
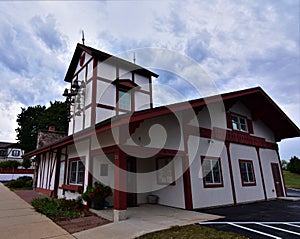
[53, 207]
[21, 182]
[10, 164]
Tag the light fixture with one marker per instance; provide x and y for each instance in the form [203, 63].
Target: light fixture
[75, 85]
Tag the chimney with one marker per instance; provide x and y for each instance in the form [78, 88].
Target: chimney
[51, 128]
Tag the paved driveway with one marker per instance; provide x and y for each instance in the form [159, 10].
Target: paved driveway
[271, 219]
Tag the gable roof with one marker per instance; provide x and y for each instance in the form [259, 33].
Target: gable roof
[5, 145]
[260, 104]
[102, 56]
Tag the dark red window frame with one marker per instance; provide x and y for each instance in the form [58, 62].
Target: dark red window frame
[212, 185]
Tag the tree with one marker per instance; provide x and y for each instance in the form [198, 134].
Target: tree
[294, 165]
[26, 163]
[36, 118]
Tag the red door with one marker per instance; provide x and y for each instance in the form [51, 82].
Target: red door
[277, 180]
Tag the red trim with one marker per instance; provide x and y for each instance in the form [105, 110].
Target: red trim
[47, 192]
[261, 173]
[16, 171]
[120, 181]
[212, 185]
[105, 106]
[188, 197]
[227, 144]
[94, 92]
[246, 184]
[250, 126]
[57, 171]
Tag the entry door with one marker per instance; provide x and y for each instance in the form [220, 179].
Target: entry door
[131, 182]
[277, 180]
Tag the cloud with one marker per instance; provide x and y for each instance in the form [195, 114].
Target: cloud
[46, 30]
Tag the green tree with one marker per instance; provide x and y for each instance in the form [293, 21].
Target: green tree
[294, 165]
[35, 118]
[26, 163]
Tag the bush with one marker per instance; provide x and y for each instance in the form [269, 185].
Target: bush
[10, 164]
[21, 182]
[294, 165]
[26, 163]
[53, 207]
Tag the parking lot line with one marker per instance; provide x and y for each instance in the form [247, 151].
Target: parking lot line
[252, 230]
[277, 228]
[290, 224]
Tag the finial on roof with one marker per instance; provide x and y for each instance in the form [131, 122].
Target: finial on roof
[134, 57]
[83, 37]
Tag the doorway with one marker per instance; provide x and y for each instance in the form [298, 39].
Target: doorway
[277, 179]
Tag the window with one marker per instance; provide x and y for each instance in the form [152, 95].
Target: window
[76, 172]
[104, 170]
[165, 171]
[2, 152]
[15, 153]
[61, 173]
[212, 174]
[247, 173]
[239, 123]
[124, 100]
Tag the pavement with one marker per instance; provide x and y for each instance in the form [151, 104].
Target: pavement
[260, 220]
[144, 219]
[18, 220]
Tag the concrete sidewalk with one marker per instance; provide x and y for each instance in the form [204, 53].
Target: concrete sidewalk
[144, 219]
[18, 220]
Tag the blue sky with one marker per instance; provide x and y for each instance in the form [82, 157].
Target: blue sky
[239, 44]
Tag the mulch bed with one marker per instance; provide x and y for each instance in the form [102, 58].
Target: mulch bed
[88, 221]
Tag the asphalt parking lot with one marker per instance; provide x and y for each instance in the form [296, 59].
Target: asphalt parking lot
[261, 220]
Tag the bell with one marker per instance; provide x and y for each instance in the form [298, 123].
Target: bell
[75, 84]
[66, 93]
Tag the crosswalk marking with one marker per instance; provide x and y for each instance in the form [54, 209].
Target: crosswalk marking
[290, 224]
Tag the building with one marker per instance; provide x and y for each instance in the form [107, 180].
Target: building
[219, 150]
[10, 151]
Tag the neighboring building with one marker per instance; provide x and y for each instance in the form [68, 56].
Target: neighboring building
[220, 150]
[10, 151]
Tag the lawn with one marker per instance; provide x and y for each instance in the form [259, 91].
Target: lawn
[191, 232]
[292, 180]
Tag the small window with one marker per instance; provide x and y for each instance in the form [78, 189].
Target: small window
[76, 172]
[124, 100]
[2, 152]
[165, 171]
[15, 153]
[239, 123]
[212, 174]
[247, 173]
[104, 170]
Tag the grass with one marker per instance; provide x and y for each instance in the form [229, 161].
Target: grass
[292, 180]
[191, 232]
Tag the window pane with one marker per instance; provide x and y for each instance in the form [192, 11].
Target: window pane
[216, 172]
[73, 172]
[80, 172]
[235, 122]
[244, 172]
[124, 100]
[208, 178]
[61, 173]
[250, 172]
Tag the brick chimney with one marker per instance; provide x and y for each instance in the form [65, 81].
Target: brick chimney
[51, 128]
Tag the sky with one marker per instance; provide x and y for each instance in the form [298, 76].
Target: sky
[238, 44]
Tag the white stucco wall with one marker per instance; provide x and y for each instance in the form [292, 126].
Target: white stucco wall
[261, 130]
[142, 101]
[106, 71]
[246, 193]
[267, 157]
[142, 81]
[207, 197]
[159, 132]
